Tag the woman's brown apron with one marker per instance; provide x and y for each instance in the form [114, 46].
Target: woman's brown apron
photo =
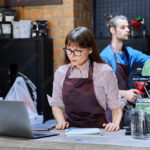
[81, 106]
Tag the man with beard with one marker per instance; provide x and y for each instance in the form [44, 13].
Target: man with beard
[122, 58]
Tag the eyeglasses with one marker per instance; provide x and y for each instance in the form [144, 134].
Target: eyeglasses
[75, 52]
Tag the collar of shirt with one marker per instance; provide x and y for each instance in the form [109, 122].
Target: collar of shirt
[122, 58]
[80, 73]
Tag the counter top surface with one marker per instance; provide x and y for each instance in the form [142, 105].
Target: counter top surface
[108, 140]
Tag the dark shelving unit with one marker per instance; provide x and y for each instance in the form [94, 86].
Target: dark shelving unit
[32, 57]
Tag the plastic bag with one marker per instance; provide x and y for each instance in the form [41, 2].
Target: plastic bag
[31, 87]
[20, 92]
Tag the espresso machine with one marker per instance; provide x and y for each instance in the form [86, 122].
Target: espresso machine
[140, 122]
[139, 115]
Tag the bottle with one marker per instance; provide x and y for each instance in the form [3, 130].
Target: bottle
[143, 28]
[132, 32]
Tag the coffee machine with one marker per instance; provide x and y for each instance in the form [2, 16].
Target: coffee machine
[40, 28]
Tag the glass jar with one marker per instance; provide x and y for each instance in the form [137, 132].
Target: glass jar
[139, 125]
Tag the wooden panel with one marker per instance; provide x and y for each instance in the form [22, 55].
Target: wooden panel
[9, 3]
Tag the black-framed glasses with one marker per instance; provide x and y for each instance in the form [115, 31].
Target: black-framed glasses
[75, 52]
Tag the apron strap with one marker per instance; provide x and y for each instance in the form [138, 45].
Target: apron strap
[124, 50]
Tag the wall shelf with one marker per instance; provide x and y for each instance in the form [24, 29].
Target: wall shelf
[141, 44]
[14, 3]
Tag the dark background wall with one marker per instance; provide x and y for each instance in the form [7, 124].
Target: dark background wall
[129, 8]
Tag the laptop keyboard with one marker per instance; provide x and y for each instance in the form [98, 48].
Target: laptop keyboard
[38, 134]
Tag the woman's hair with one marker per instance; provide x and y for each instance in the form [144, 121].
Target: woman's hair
[112, 19]
[83, 37]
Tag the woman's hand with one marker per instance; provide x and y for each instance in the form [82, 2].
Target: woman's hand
[59, 116]
[111, 127]
[62, 125]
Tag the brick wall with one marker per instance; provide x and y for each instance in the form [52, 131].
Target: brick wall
[1, 2]
[61, 19]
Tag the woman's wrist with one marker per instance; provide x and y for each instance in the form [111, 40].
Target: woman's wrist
[116, 116]
[116, 123]
[61, 119]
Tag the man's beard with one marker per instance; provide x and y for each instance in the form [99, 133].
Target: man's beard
[124, 39]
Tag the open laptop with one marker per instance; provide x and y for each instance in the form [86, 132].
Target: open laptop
[14, 121]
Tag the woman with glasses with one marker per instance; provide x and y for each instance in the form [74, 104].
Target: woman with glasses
[84, 86]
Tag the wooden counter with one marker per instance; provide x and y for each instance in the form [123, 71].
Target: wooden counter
[107, 141]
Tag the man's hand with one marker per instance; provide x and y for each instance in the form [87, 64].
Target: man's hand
[111, 127]
[131, 94]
